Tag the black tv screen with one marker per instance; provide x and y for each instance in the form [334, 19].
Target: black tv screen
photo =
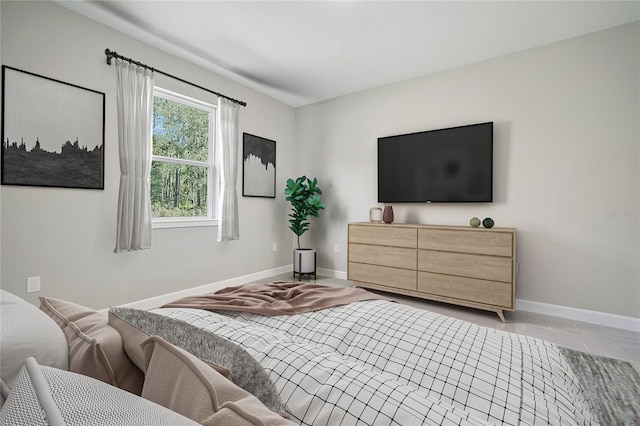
[437, 166]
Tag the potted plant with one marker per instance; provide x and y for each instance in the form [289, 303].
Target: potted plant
[304, 196]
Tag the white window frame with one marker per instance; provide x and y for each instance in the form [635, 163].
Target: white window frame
[212, 189]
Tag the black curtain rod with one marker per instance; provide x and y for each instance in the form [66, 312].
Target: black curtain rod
[111, 54]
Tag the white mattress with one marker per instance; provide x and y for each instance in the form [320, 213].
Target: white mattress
[384, 363]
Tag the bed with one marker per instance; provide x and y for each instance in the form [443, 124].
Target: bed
[381, 362]
[369, 361]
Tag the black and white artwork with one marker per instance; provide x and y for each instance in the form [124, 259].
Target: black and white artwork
[52, 132]
[259, 166]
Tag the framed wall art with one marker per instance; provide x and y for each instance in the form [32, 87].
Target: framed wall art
[52, 132]
[258, 166]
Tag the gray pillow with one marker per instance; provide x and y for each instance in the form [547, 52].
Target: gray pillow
[245, 371]
[4, 392]
[43, 396]
[27, 331]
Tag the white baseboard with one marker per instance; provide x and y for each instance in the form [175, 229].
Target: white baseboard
[576, 314]
[332, 273]
[157, 301]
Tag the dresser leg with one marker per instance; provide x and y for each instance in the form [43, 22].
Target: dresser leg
[501, 315]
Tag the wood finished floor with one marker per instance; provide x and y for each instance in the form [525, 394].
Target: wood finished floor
[582, 336]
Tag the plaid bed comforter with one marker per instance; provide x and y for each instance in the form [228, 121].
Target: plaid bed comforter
[384, 363]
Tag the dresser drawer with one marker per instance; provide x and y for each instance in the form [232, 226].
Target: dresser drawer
[473, 267]
[383, 275]
[398, 257]
[467, 241]
[384, 235]
[490, 292]
[492, 268]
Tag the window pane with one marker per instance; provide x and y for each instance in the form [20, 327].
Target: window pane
[178, 190]
[180, 131]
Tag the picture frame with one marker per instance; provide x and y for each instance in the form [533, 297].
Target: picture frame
[52, 132]
[258, 166]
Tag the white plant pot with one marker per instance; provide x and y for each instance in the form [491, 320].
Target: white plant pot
[304, 261]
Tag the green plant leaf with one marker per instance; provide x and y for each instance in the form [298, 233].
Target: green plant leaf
[303, 194]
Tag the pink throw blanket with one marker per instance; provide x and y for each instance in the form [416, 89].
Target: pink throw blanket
[276, 298]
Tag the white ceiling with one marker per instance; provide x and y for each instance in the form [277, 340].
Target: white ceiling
[302, 52]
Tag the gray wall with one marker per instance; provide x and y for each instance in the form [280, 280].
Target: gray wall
[67, 236]
[566, 155]
[566, 169]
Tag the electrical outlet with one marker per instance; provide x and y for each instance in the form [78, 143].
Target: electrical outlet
[33, 284]
[275, 246]
[336, 248]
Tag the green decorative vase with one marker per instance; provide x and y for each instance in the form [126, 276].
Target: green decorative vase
[474, 222]
[488, 222]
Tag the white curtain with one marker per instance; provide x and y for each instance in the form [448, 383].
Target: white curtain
[228, 226]
[135, 110]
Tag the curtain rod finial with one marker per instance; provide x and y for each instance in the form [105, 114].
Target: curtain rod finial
[109, 54]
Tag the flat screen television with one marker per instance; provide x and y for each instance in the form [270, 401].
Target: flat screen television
[453, 165]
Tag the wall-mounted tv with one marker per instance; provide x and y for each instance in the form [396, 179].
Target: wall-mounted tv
[453, 165]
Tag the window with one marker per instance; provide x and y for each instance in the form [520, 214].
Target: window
[183, 165]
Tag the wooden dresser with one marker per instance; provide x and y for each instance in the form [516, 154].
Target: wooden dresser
[472, 267]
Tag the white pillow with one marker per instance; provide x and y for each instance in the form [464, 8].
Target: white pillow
[46, 396]
[27, 331]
